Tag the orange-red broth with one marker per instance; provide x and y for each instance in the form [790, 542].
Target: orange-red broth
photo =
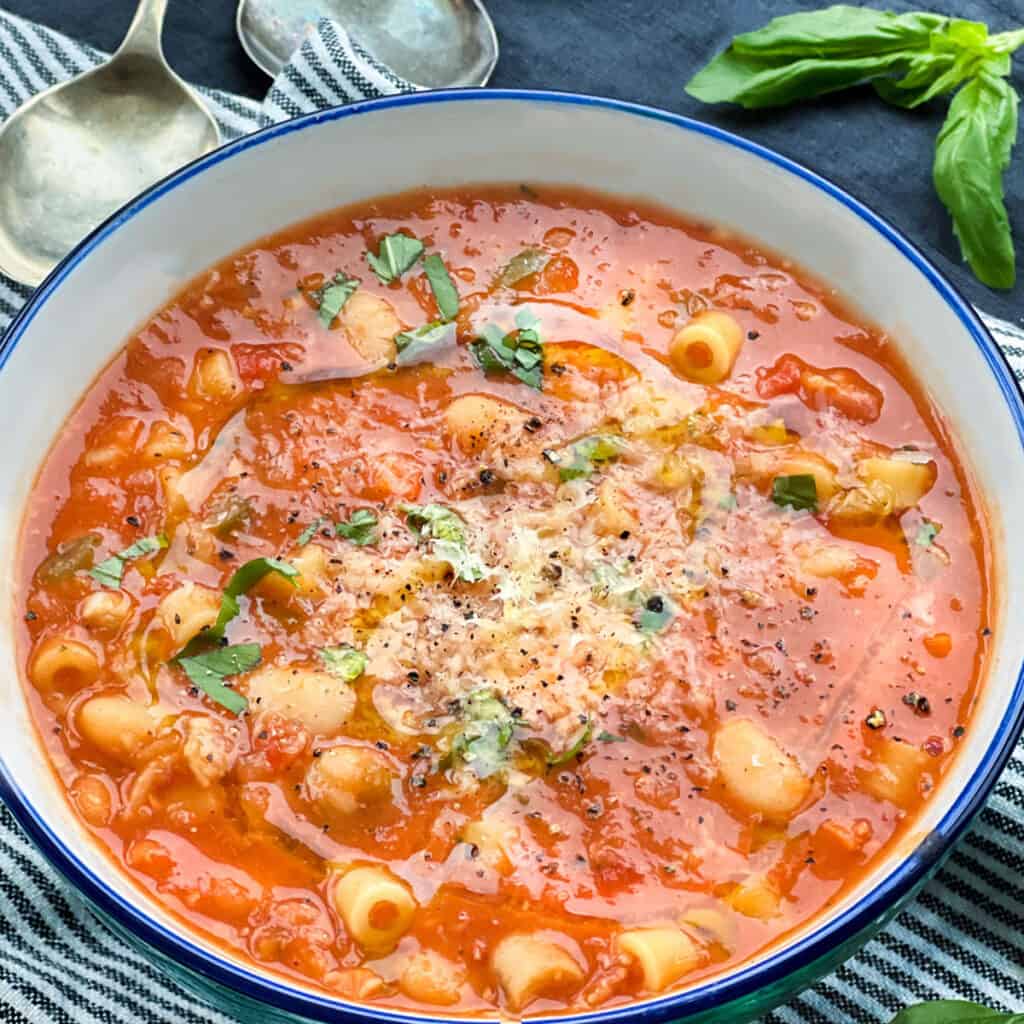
[637, 830]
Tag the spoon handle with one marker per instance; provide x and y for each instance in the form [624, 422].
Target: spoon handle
[144, 32]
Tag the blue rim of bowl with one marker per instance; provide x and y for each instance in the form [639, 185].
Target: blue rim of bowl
[715, 993]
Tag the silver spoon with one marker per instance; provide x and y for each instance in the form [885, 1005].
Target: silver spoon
[73, 154]
[434, 44]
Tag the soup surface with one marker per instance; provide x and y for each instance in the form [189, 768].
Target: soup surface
[502, 599]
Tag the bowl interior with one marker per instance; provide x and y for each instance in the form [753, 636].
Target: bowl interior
[256, 186]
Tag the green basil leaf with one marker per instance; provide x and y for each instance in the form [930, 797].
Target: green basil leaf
[926, 533]
[1006, 42]
[927, 75]
[575, 749]
[442, 285]
[839, 31]
[445, 532]
[108, 573]
[242, 580]
[208, 671]
[961, 34]
[609, 737]
[971, 153]
[311, 531]
[334, 295]
[344, 662]
[799, 56]
[532, 377]
[424, 344]
[361, 528]
[466, 565]
[520, 352]
[522, 265]
[111, 570]
[487, 729]
[582, 457]
[430, 521]
[753, 82]
[798, 491]
[941, 70]
[395, 255]
[953, 1011]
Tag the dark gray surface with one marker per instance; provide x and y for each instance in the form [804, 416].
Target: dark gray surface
[645, 50]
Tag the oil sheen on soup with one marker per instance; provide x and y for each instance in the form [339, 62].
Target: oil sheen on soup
[502, 599]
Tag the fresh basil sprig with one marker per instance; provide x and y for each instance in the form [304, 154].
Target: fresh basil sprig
[909, 58]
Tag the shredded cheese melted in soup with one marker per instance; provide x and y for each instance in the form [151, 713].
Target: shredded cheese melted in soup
[502, 599]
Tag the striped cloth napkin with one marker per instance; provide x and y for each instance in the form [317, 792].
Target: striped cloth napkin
[963, 937]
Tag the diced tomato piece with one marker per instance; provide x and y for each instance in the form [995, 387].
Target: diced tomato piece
[836, 388]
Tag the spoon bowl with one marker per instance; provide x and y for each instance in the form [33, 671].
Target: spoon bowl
[434, 44]
[73, 154]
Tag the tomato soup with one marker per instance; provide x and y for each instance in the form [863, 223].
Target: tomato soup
[507, 599]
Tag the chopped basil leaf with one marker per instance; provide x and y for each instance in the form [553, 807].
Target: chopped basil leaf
[522, 265]
[111, 570]
[799, 491]
[334, 295]
[486, 733]
[447, 536]
[344, 662]
[581, 458]
[926, 533]
[575, 749]
[310, 532]
[108, 573]
[361, 528]
[208, 671]
[396, 254]
[423, 344]
[243, 579]
[609, 737]
[428, 521]
[443, 286]
[466, 565]
[520, 352]
[655, 615]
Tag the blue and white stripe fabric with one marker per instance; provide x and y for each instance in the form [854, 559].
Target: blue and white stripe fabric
[963, 937]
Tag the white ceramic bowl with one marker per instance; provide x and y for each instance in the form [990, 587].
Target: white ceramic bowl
[131, 265]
